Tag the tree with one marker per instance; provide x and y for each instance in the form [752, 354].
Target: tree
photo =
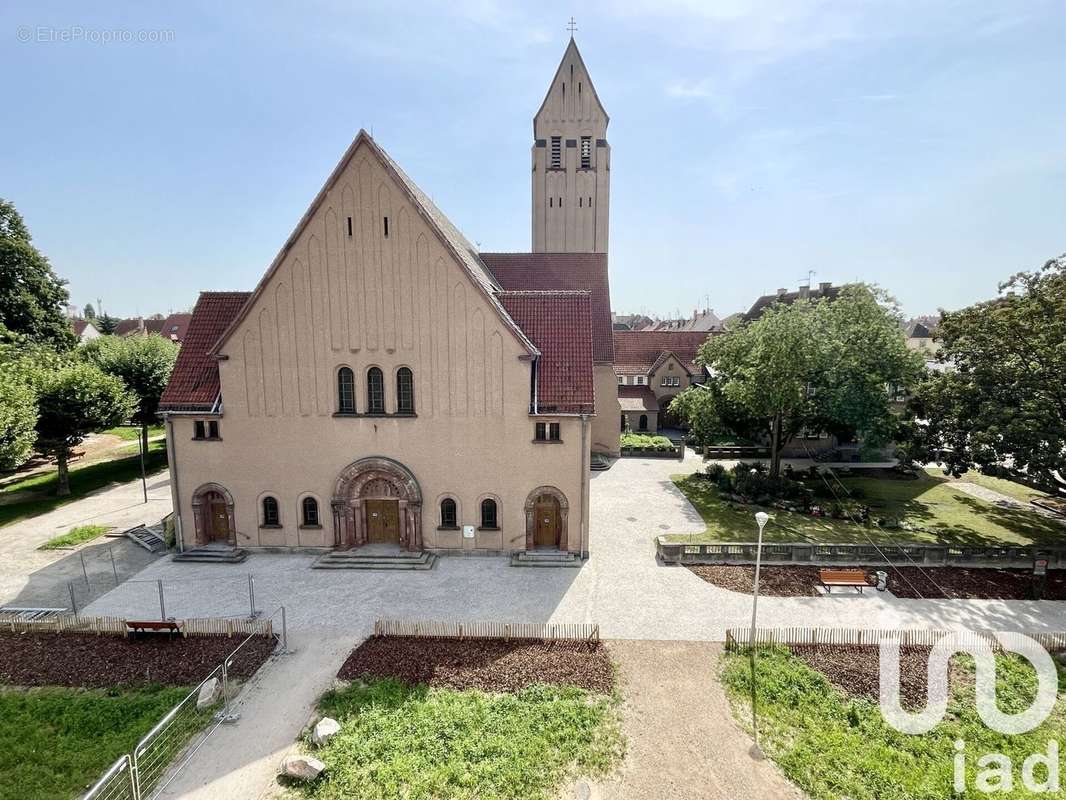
[1000, 405]
[18, 418]
[107, 324]
[89, 313]
[74, 401]
[823, 365]
[32, 296]
[143, 363]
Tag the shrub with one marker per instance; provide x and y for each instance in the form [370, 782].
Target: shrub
[715, 471]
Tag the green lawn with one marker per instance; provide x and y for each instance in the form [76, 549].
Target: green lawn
[131, 432]
[945, 513]
[75, 536]
[82, 481]
[838, 747]
[55, 742]
[417, 743]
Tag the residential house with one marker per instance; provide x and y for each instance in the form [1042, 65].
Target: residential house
[651, 368]
[824, 290]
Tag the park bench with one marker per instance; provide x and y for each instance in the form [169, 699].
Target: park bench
[853, 578]
[133, 627]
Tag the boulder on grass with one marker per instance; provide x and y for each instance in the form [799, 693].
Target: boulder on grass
[325, 730]
[209, 694]
[302, 768]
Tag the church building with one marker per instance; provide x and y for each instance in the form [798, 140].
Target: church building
[386, 384]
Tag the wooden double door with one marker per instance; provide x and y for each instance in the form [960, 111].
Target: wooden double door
[546, 521]
[382, 521]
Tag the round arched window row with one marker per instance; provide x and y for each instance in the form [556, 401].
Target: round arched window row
[375, 391]
[405, 391]
[309, 512]
[489, 515]
[449, 517]
[271, 514]
[345, 391]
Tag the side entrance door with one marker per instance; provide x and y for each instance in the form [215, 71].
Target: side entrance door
[546, 518]
[219, 519]
[383, 521]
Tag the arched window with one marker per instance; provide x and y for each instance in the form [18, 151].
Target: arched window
[375, 391]
[405, 391]
[643, 422]
[448, 516]
[309, 509]
[488, 514]
[345, 391]
[271, 516]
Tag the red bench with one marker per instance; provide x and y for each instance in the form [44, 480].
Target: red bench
[168, 627]
[851, 578]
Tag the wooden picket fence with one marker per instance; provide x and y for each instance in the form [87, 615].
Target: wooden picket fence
[539, 631]
[116, 626]
[737, 638]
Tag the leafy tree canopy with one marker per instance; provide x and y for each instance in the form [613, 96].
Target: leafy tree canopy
[73, 401]
[32, 296]
[106, 324]
[822, 365]
[1000, 403]
[89, 312]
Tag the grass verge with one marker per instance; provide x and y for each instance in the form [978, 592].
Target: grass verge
[836, 746]
[83, 480]
[943, 512]
[131, 432]
[75, 536]
[416, 743]
[55, 742]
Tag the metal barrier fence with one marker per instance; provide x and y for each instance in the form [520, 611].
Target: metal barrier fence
[738, 638]
[146, 772]
[542, 631]
[901, 555]
[117, 783]
[231, 596]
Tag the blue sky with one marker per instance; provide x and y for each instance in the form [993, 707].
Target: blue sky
[918, 145]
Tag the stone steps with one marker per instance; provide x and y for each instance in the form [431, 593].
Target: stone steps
[545, 558]
[213, 555]
[352, 559]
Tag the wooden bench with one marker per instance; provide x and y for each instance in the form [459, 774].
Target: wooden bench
[854, 578]
[133, 627]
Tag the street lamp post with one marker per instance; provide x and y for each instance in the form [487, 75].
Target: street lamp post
[761, 519]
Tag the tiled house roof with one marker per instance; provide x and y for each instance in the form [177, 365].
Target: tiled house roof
[637, 398]
[175, 326]
[560, 325]
[127, 327]
[153, 325]
[638, 352]
[80, 325]
[558, 272]
[194, 383]
[823, 290]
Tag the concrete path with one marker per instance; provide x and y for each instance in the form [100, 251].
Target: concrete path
[32, 577]
[682, 740]
[1000, 499]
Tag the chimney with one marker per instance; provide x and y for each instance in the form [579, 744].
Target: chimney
[695, 313]
[825, 287]
[804, 292]
[782, 292]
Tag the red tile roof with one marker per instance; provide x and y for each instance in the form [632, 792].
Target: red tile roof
[153, 325]
[194, 383]
[125, 327]
[635, 352]
[80, 325]
[561, 272]
[560, 325]
[175, 326]
[637, 398]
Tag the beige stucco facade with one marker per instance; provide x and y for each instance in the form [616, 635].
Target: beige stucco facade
[571, 164]
[368, 281]
[605, 424]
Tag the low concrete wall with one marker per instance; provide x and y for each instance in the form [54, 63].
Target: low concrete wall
[901, 555]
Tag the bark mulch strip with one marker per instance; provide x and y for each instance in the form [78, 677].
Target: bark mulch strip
[96, 662]
[931, 583]
[857, 669]
[490, 665]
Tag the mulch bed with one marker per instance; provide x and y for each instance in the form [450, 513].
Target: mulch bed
[931, 583]
[91, 661]
[857, 668]
[490, 665]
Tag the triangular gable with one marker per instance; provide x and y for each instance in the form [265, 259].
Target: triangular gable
[665, 356]
[449, 236]
[571, 50]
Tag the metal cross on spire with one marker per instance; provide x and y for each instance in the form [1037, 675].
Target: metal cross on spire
[572, 26]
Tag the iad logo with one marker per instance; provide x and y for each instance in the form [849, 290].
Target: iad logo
[996, 773]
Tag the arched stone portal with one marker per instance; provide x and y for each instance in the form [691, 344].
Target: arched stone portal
[389, 491]
[550, 501]
[212, 513]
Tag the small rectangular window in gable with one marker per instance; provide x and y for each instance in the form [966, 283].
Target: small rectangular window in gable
[553, 431]
[198, 429]
[540, 432]
[212, 429]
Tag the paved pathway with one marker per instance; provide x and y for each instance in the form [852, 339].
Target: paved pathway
[622, 587]
[1000, 499]
[32, 577]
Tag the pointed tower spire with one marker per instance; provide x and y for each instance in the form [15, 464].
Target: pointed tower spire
[571, 162]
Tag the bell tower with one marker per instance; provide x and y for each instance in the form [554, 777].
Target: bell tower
[571, 163]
